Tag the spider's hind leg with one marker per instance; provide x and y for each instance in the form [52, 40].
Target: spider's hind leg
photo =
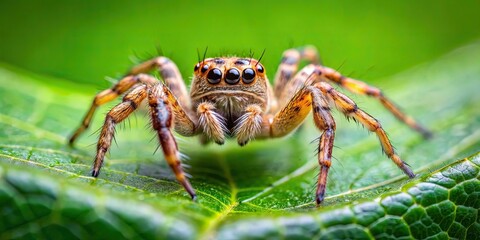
[108, 95]
[350, 109]
[117, 114]
[362, 88]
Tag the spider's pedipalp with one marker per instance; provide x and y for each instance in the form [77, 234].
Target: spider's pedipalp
[248, 125]
[212, 123]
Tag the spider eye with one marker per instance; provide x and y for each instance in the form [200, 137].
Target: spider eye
[248, 75]
[260, 68]
[214, 76]
[232, 76]
[205, 68]
[196, 67]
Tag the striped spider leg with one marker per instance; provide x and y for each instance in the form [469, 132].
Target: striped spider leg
[289, 65]
[163, 106]
[309, 89]
[319, 97]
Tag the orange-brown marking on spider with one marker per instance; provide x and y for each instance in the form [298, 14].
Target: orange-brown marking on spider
[231, 97]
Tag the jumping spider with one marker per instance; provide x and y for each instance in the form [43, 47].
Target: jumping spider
[232, 97]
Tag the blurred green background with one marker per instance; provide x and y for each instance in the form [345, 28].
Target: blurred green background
[85, 41]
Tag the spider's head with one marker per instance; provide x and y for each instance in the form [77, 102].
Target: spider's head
[231, 84]
[229, 74]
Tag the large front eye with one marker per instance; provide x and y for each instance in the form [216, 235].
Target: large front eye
[248, 75]
[214, 76]
[233, 76]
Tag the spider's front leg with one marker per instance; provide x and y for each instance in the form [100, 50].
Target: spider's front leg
[293, 114]
[170, 74]
[162, 121]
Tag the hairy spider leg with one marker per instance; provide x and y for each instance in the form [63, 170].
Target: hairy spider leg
[319, 96]
[162, 121]
[108, 95]
[362, 88]
[174, 81]
[116, 115]
[293, 114]
[348, 107]
[288, 68]
[185, 120]
[170, 74]
[161, 115]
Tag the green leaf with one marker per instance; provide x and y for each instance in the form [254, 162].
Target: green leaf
[263, 190]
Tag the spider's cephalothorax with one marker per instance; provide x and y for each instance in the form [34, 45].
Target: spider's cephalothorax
[232, 97]
[230, 86]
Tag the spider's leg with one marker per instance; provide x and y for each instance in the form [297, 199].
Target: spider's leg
[323, 120]
[115, 116]
[162, 119]
[359, 87]
[108, 95]
[170, 74]
[289, 66]
[185, 123]
[293, 114]
[350, 109]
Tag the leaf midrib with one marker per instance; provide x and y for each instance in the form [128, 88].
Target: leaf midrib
[211, 225]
